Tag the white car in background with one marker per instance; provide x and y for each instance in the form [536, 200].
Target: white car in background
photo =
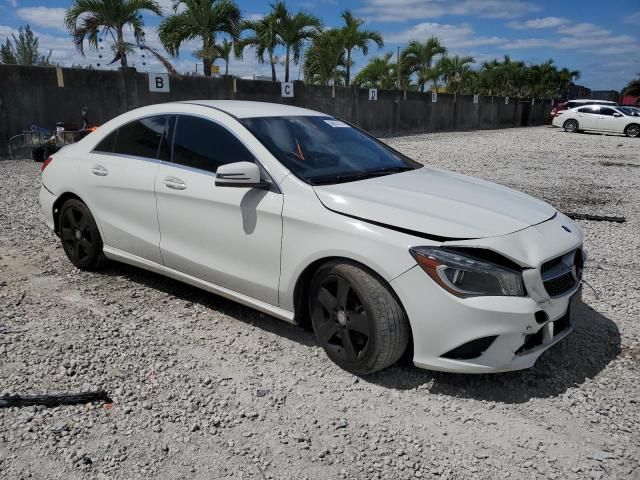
[600, 118]
[309, 219]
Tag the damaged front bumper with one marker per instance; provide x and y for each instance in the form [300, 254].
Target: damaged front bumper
[488, 334]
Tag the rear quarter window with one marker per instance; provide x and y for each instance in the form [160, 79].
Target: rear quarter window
[106, 144]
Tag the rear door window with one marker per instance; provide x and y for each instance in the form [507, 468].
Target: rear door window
[141, 138]
[205, 145]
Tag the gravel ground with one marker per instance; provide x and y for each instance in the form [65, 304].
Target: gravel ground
[205, 388]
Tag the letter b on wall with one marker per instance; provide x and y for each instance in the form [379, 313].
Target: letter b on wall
[159, 82]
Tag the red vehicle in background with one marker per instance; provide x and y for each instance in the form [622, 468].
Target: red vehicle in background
[561, 106]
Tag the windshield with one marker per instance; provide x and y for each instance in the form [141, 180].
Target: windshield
[322, 150]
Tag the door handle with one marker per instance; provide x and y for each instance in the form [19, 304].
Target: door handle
[99, 170]
[174, 183]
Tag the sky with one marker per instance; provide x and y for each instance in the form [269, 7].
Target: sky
[600, 39]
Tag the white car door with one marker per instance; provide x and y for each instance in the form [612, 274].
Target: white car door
[228, 236]
[586, 118]
[608, 121]
[119, 178]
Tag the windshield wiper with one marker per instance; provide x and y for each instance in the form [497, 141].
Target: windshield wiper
[353, 176]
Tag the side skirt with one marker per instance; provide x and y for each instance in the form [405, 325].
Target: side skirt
[120, 256]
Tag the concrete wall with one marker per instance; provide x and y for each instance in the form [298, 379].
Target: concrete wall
[32, 95]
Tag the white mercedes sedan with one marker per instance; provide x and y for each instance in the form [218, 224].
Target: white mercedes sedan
[600, 118]
[307, 218]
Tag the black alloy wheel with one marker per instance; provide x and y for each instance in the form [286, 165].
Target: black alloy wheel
[356, 318]
[342, 323]
[80, 236]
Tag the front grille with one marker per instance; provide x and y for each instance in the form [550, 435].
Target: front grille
[559, 285]
[560, 275]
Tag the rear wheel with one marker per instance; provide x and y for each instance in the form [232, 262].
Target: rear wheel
[80, 236]
[570, 126]
[632, 130]
[358, 322]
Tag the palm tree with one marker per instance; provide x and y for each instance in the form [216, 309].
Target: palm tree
[456, 72]
[223, 51]
[633, 88]
[565, 78]
[325, 60]
[202, 19]
[86, 18]
[380, 72]
[292, 30]
[263, 39]
[418, 58]
[356, 38]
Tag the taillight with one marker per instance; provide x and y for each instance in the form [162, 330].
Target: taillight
[45, 164]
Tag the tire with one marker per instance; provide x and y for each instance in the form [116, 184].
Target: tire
[570, 126]
[632, 130]
[357, 320]
[80, 236]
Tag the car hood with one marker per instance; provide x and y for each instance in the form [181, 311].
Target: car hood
[437, 203]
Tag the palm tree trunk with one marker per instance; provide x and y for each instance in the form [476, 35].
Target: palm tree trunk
[226, 67]
[273, 67]
[206, 62]
[121, 49]
[348, 79]
[206, 65]
[286, 66]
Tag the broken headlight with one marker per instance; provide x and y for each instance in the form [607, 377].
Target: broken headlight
[467, 276]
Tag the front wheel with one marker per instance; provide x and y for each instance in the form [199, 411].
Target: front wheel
[358, 321]
[570, 126]
[80, 237]
[632, 131]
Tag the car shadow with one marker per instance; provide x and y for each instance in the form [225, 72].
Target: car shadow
[584, 353]
[593, 344]
[211, 301]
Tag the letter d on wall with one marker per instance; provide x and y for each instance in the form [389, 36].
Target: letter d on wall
[159, 82]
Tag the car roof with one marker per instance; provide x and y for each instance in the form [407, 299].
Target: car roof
[607, 102]
[248, 109]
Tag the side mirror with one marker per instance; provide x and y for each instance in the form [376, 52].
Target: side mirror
[240, 174]
[617, 115]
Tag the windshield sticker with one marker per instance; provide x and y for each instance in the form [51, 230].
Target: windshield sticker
[336, 124]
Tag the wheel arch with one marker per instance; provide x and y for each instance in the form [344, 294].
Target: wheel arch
[57, 205]
[632, 124]
[301, 290]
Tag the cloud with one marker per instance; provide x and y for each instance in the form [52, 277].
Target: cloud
[583, 37]
[633, 18]
[403, 10]
[45, 17]
[584, 29]
[451, 36]
[546, 22]
[254, 17]
[13, 3]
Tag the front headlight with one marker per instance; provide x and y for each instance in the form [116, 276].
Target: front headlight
[467, 276]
